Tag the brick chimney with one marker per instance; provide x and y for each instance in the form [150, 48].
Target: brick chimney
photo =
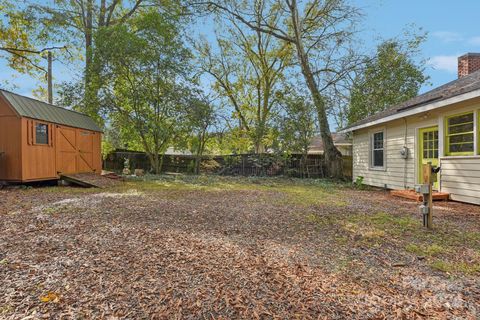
[468, 63]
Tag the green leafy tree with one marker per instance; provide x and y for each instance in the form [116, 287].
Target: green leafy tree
[248, 71]
[23, 44]
[392, 76]
[75, 24]
[321, 34]
[230, 140]
[144, 81]
[201, 117]
[296, 127]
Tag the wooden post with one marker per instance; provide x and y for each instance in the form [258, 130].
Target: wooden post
[427, 179]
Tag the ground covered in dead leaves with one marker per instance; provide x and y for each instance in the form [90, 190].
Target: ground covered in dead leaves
[223, 248]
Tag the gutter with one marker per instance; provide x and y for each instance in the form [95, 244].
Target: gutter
[425, 108]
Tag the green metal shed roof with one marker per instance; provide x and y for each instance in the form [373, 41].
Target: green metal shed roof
[35, 109]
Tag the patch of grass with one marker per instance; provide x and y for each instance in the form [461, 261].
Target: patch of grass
[471, 236]
[456, 267]
[429, 250]
[390, 225]
[311, 217]
[70, 190]
[447, 248]
[213, 180]
[5, 309]
[343, 264]
[304, 192]
[321, 220]
[310, 196]
[341, 240]
[51, 210]
[366, 234]
[394, 223]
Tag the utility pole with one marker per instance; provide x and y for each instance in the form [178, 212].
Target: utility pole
[49, 78]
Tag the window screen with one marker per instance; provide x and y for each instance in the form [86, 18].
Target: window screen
[378, 150]
[41, 133]
[459, 135]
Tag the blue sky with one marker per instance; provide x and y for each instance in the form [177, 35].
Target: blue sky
[451, 25]
[452, 28]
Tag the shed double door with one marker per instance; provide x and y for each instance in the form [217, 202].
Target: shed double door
[74, 150]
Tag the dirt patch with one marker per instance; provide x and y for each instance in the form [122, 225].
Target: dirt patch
[268, 249]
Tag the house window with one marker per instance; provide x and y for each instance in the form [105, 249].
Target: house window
[460, 134]
[41, 133]
[378, 150]
[430, 145]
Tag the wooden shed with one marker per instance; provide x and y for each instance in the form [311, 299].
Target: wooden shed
[40, 141]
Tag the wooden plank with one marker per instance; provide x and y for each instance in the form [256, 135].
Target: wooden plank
[406, 194]
[412, 195]
[90, 180]
[77, 181]
[10, 144]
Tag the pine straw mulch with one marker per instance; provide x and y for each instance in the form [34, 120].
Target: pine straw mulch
[174, 253]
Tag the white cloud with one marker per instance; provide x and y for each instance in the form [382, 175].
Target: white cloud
[448, 36]
[475, 41]
[445, 63]
[451, 37]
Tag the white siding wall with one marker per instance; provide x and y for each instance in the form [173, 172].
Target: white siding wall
[461, 178]
[398, 173]
[460, 175]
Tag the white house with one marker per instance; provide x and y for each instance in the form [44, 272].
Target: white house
[440, 126]
[341, 141]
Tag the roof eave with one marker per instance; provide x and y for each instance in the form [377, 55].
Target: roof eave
[63, 125]
[417, 110]
[10, 105]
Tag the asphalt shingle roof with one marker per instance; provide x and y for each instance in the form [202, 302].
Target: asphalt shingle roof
[35, 109]
[338, 139]
[462, 85]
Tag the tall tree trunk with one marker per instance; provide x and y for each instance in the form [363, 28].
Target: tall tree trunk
[160, 165]
[198, 160]
[303, 164]
[200, 150]
[157, 163]
[333, 157]
[103, 11]
[151, 158]
[89, 94]
[259, 147]
[88, 41]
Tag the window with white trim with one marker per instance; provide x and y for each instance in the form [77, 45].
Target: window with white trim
[378, 150]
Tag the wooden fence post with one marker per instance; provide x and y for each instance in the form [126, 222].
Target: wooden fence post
[427, 179]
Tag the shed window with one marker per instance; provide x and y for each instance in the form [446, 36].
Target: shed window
[460, 134]
[378, 151]
[41, 133]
